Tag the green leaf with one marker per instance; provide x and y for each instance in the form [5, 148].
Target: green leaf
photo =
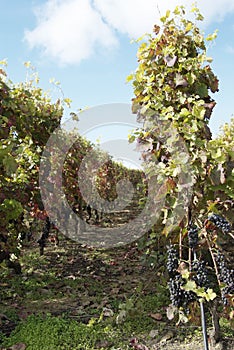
[10, 164]
[131, 138]
[163, 19]
[11, 208]
[202, 90]
[199, 17]
[3, 120]
[184, 112]
[198, 111]
[191, 77]
[218, 155]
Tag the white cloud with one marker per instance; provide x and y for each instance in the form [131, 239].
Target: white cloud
[69, 30]
[131, 17]
[72, 30]
[135, 17]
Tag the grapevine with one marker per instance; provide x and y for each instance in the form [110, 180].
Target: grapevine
[172, 86]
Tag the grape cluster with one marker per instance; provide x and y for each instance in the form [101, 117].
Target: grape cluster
[192, 236]
[172, 261]
[220, 222]
[201, 276]
[226, 291]
[226, 276]
[178, 296]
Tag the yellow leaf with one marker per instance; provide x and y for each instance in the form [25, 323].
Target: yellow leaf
[168, 13]
[209, 59]
[213, 36]
[190, 285]
[67, 101]
[129, 78]
[188, 27]
[3, 62]
[177, 10]
[27, 64]
[185, 273]
[211, 295]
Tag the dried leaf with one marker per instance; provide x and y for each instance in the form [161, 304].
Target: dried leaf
[156, 29]
[153, 333]
[180, 80]
[145, 145]
[121, 317]
[19, 346]
[157, 316]
[107, 312]
[103, 344]
[171, 312]
[167, 337]
[170, 61]
[222, 173]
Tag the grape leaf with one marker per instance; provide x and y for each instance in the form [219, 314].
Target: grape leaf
[10, 164]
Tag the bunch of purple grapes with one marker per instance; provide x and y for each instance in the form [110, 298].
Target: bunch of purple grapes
[178, 296]
[220, 222]
[172, 261]
[226, 276]
[201, 275]
[192, 236]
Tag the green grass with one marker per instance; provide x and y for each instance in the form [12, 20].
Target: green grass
[227, 331]
[60, 333]
[64, 333]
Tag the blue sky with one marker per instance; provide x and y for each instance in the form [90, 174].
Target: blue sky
[85, 45]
